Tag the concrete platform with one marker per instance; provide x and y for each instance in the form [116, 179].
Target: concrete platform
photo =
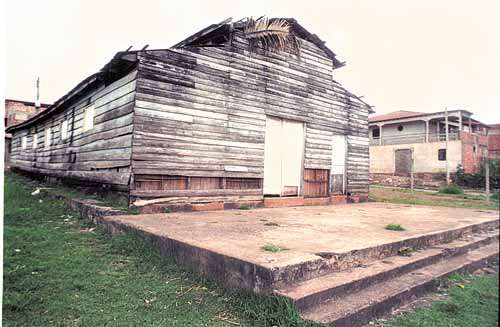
[227, 245]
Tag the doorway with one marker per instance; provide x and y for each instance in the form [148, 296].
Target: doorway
[283, 156]
[402, 162]
[338, 176]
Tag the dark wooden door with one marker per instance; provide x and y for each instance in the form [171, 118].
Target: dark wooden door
[316, 183]
[403, 162]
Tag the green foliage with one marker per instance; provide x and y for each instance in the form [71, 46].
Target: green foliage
[133, 211]
[451, 189]
[406, 251]
[244, 207]
[273, 248]
[167, 210]
[395, 227]
[478, 180]
[473, 301]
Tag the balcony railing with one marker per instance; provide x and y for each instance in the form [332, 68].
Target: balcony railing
[414, 138]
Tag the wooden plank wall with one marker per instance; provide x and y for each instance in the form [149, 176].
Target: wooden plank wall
[101, 154]
[200, 112]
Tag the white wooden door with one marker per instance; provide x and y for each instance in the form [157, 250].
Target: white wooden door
[284, 150]
[293, 150]
[272, 157]
[337, 172]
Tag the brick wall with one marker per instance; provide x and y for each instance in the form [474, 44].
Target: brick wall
[494, 142]
[19, 111]
[474, 148]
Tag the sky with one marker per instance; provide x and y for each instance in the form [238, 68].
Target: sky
[401, 55]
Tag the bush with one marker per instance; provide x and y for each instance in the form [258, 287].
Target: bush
[477, 180]
[451, 189]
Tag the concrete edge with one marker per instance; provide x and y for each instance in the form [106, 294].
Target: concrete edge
[231, 272]
[331, 262]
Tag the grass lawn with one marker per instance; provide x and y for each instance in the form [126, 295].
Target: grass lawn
[59, 271]
[472, 301]
[432, 198]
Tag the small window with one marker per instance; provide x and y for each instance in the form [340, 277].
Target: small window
[376, 132]
[48, 137]
[88, 118]
[474, 149]
[64, 130]
[441, 154]
[24, 142]
[400, 128]
[35, 141]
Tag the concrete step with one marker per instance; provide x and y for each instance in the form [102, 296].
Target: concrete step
[317, 290]
[360, 307]
[330, 262]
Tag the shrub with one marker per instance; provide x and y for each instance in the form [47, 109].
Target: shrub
[451, 189]
[477, 180]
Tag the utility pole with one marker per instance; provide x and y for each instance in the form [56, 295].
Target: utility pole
[446, 146]
[487, 171]
[37, 102]
[412, 177]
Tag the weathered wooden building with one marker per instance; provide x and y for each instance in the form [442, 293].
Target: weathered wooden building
[220, 119]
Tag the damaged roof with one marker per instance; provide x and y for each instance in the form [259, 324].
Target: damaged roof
[123, 61]
[222, 30]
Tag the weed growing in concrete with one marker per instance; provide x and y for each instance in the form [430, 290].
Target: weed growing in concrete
[244, 207]
[273, 248]
[395, 227]
[406, 251]
[167, 210]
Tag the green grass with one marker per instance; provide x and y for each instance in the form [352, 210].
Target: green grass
[472, 301]
[59, 271]
[273, 248]
[451, 189]
[395, 227]
[404, 196]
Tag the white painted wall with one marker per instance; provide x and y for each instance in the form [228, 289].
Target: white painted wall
[425, 157]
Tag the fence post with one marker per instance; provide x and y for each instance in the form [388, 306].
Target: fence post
[487, 176]
[446, 146]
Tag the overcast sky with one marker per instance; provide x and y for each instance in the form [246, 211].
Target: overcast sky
[401, 55]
